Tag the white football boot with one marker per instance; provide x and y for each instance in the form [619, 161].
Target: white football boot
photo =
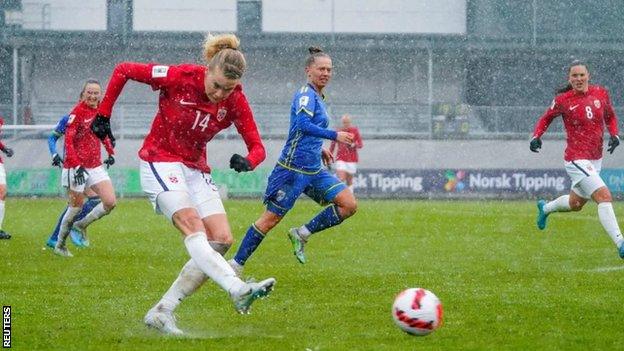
[251, 291]
[163, 320]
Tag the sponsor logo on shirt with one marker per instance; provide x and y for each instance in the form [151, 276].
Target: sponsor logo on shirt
[159, 71]
[221, 114]
[573, 107]
[597, 103]
[187, 103]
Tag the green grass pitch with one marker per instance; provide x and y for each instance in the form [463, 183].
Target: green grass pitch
[504, 284]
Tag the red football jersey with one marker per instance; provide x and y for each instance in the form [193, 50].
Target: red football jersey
[186, 120]
[82, 147]
[347, 153]
[584, 117]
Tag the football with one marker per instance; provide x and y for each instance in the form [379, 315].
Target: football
[417, 311]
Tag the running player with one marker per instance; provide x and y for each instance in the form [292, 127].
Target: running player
[82, 167]
[196, 102]
[299, 168]
[3, 187]
[585, 110]
[92, 199]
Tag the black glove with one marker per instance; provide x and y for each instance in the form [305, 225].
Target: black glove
[101, 128]
[535, 145]
[8, 151]
[57, 161]
[109, 161]
[239, 163]
[614, 141]
[79, 175]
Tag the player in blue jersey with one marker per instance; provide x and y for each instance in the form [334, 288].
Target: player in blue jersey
[78, 237]
[300, 168]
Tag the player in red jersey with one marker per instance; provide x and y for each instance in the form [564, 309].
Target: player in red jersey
[196, 102]
[346, 155]
[3, 188]
[585, 110]
[82, 167]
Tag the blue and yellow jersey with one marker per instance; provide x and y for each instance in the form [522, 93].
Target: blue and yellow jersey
[308, 128]
[58, 132]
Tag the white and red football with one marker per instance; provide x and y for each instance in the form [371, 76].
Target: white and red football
[417, 311]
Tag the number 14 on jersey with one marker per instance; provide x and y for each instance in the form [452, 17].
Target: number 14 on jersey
[201, 121]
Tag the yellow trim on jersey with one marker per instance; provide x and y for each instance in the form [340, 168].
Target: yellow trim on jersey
[297, 170]
[304, 110]
[293, 147]
[331, 187]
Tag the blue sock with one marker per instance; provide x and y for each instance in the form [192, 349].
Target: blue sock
[327, 218]
[86, 208]
[250, 243]
[55, 233]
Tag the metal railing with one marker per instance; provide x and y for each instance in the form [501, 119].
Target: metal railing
[133, 120]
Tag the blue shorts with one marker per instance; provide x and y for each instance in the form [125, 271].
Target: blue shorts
[285, 186]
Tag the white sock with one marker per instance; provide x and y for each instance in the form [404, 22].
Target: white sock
[304, 232]
[560, 204]
[188, 281]
[212, 263]
[96, 213]
[609, 222]
[67, 222]
[1, 213]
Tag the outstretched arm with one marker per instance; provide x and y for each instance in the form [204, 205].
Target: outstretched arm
[145, 73]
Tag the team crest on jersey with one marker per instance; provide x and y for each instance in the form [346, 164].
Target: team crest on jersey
[590, 168]
[281, 194]
[221, 114]
[173, 178]
[597, 103]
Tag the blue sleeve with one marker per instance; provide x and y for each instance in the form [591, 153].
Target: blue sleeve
[57, 133]
[305, 104]
[303, 123]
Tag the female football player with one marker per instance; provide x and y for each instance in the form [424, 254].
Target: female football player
[3, 188]
[82, 167]
[299, 169]
[585, 110]
[196, 102]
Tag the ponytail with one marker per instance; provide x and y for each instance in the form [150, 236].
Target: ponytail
[315, 52]
[222, 51]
